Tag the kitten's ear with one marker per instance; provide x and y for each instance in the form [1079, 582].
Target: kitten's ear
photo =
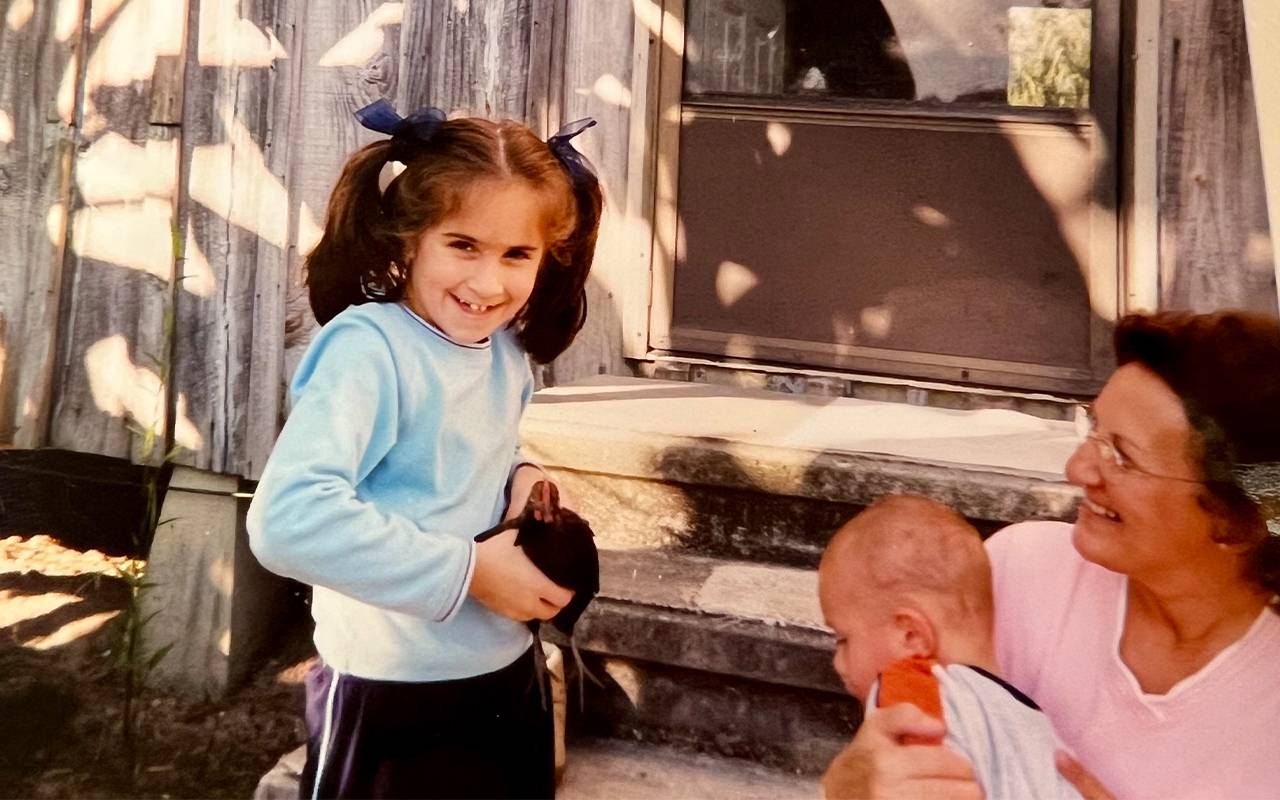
[544, 503]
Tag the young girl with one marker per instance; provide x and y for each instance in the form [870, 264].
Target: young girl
[401, 446]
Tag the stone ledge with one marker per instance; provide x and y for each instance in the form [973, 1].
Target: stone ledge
[760, 622]
[988, 464]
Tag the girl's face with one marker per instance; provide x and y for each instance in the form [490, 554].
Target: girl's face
[472, 273]
[1142, 519]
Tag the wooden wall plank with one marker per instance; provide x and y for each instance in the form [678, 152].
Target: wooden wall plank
[267, 133]
[40, 48]
[1215, 246]
[119, 275]
[480, 57]
[597, 83]
[413, 84]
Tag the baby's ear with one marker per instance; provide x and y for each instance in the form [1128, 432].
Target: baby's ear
[914, 633]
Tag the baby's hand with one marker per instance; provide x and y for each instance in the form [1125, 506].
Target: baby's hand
[508, 583]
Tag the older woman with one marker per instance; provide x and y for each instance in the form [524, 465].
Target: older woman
[1148, 631]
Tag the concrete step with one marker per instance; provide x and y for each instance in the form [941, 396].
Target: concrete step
[725, 657]
[613, 770]
[767, 476]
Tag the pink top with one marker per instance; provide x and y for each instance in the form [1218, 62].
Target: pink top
[1216, 734]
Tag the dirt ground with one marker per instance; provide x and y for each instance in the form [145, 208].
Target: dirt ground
[60, 703]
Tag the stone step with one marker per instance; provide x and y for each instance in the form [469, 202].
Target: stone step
[614, 770]
[766, 476]
[724, 657]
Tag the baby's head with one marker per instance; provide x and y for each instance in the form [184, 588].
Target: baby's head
[906, 577]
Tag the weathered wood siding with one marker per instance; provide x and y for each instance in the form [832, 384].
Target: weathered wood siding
[165, 166]
[40, 66]
[1215, 250]
[115, 218]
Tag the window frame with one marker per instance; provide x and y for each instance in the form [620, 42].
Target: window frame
[659, 110]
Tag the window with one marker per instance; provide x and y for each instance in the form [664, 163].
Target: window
[917, 187]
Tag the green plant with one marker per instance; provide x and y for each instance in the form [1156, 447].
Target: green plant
[1049, 57]
[132, 659]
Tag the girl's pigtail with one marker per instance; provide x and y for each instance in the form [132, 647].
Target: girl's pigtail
[558, 306]
[354, 260]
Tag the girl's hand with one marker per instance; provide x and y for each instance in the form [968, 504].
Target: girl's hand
[531, 482]
[876, 765]
[1079, 777]
[508, 583]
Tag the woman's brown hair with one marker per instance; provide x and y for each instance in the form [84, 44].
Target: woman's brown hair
[360, 258]
[1225, 367]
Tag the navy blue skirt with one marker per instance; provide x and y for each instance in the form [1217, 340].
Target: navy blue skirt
[482, 737]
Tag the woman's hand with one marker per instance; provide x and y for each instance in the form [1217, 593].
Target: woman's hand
[508, 583]
[877, 765]
[546, 505]
[1079, 777]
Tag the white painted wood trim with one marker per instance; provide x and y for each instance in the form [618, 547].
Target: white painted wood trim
[1262, 23]
[666, 167]
[1142, 218]
[646, 54]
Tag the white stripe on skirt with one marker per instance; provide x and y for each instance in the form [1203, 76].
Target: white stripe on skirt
[326, 734]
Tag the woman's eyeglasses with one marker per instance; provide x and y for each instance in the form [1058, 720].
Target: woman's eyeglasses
[1110, 454]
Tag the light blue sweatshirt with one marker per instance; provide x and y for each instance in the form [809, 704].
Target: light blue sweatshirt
[397, 451]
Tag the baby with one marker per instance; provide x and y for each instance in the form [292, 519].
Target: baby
[906, 586]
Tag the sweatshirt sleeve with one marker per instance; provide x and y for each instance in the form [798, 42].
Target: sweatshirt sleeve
[519, 459]
[306, 520]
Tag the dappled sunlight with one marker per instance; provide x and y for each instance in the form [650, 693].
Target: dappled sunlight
[877, 321]
[55, 224]
[19, 14]
[779, 136]
[139, 34]
[309, 231]
[132, 235]
[930, 216]
[733, 281]
[121, 387]
[222, 576]
[228, 40]
[101, 11]
[6, 127]
[70, 632]
[740, 345]
[663, 24]
[1259, 250]
[1069, 192]
[31, 606]
[365, 40]
[114, 169]
[871, 325]
[626, 677]
[197, 275]
[65, 100]
[67, 23]
[609, 89]
[233, 180]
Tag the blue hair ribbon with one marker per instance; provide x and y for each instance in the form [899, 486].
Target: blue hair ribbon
[561, 144]
[407, 133]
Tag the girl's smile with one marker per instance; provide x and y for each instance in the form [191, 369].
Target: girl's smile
[473, 272]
